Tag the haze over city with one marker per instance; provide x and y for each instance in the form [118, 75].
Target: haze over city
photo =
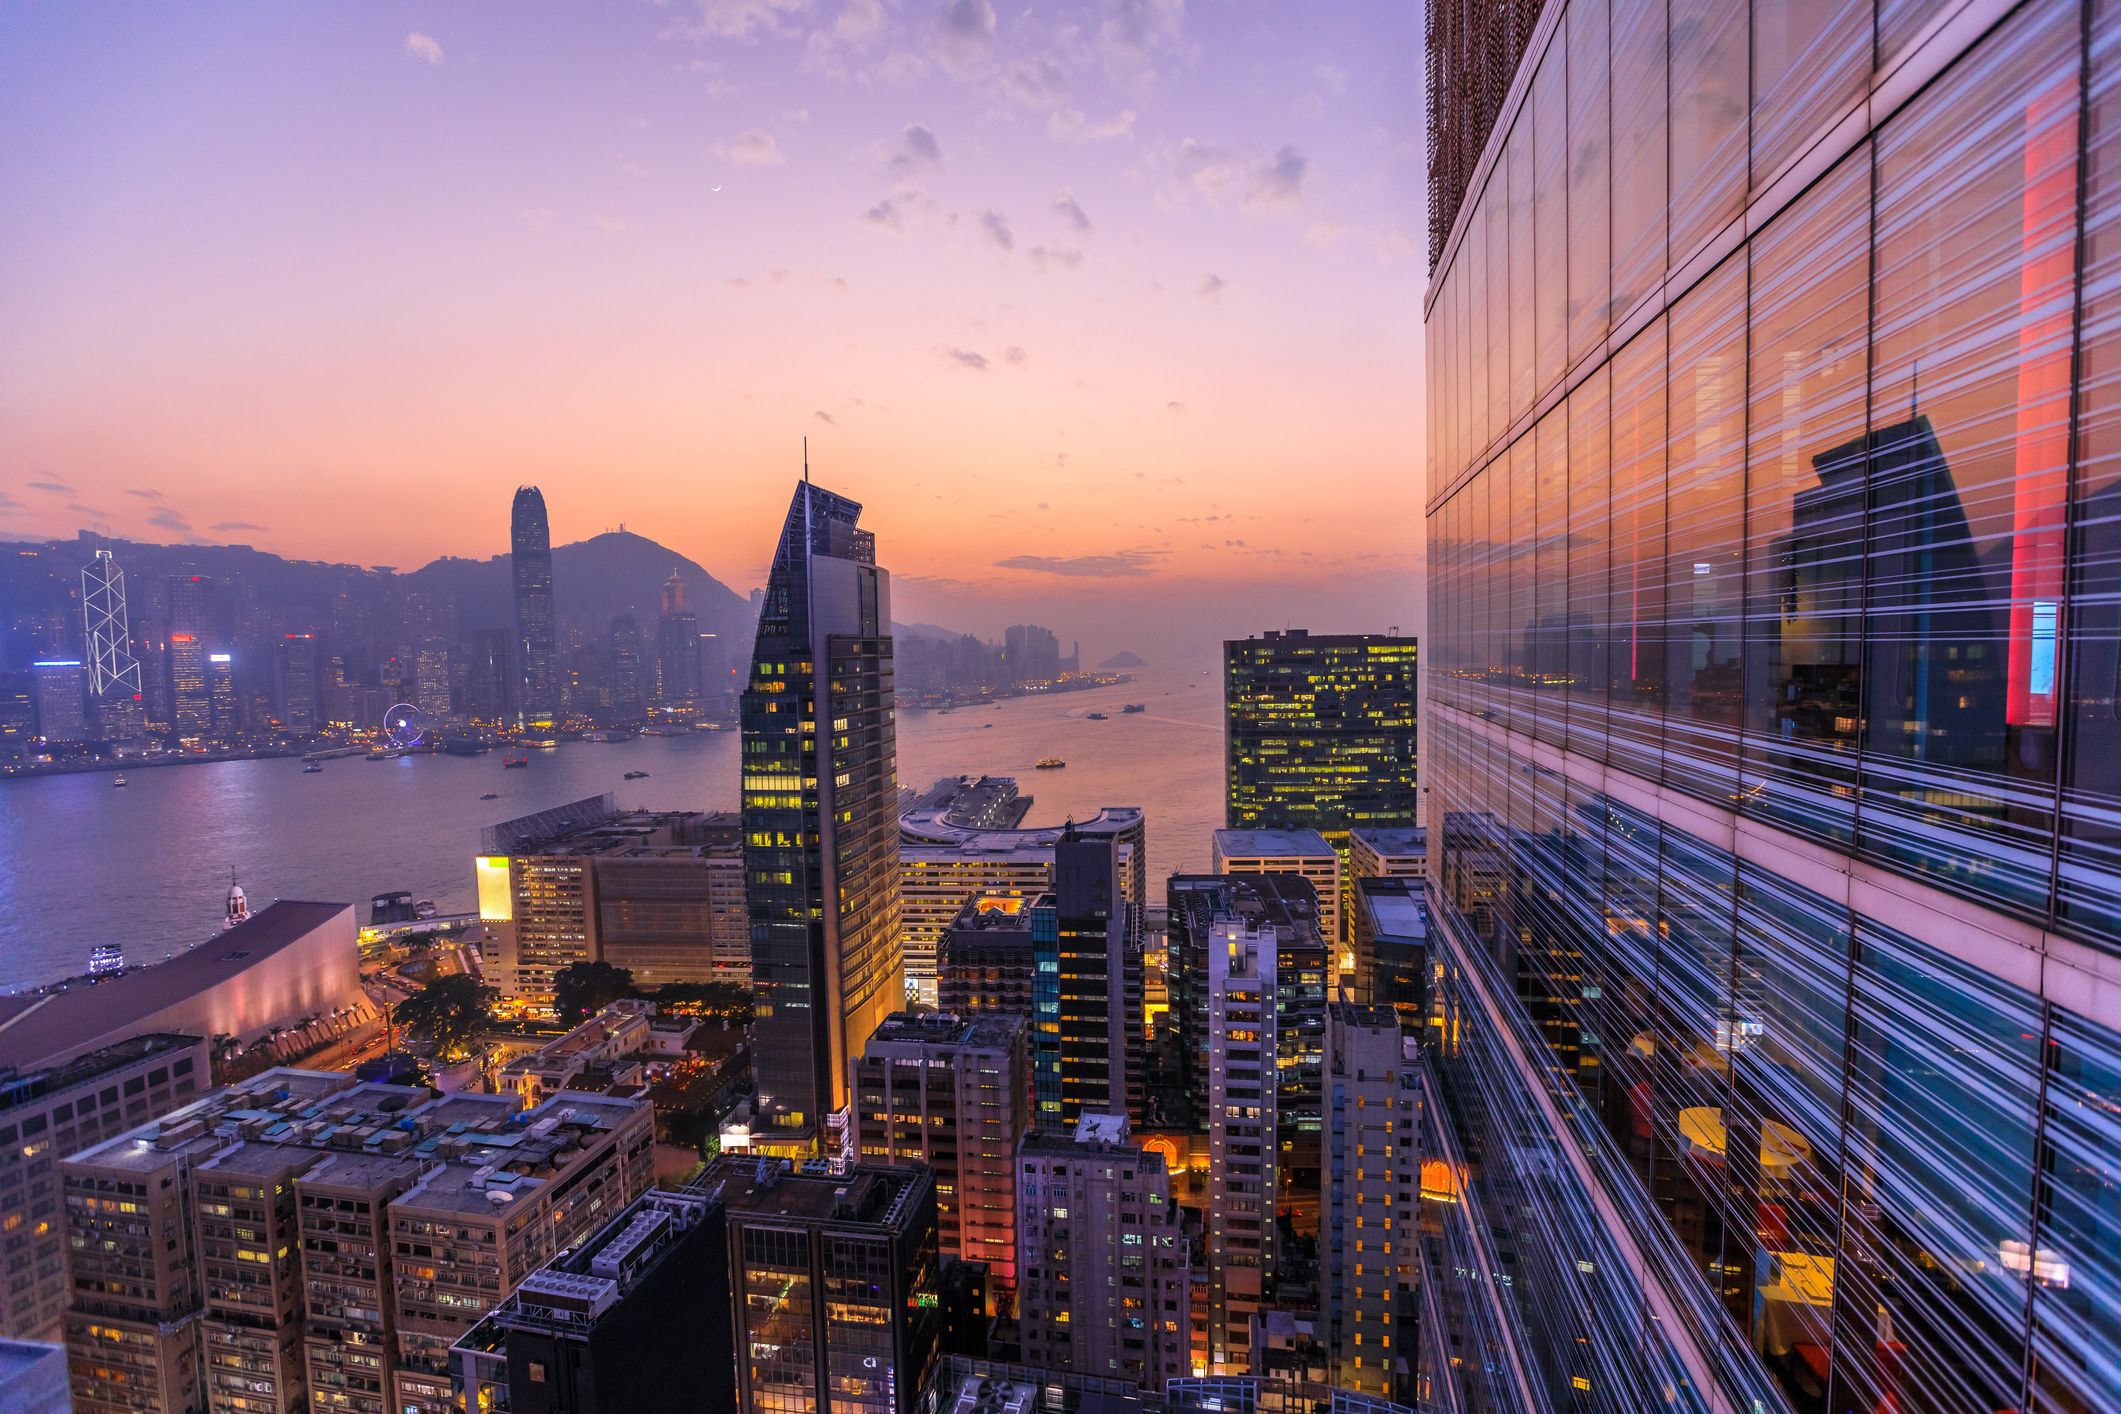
[1103, 312]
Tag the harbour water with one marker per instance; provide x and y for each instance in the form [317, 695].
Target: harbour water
[148, 866]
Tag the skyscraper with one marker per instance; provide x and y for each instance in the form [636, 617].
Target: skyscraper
[1086, 995]
[1773, 760]
[820, 816]
[1320, 732]
[113, 670]
[296, 693]
[537, 642]
[677, 646]
[626, 698]
[191, 708]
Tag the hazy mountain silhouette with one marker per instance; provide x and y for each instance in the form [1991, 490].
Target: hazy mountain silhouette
[596, 579]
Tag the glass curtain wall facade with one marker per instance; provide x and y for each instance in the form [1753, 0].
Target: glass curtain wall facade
[1774, 712]
[820, 816]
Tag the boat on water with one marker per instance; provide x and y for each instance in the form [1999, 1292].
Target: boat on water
[490, 795]
[106, 959]
[511, 763]
[425, 909]
[987, 726]
[1049, 763]
[118, 780]
[1132, 707]
[381, 755]
[311, 769]
[635, 775]
[1098, 717]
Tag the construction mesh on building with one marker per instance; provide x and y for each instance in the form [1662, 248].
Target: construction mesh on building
[1474, 46]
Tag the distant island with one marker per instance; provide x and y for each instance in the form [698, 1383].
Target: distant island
[1123, 659]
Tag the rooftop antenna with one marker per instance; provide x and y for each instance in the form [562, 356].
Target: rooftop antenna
[806, 459]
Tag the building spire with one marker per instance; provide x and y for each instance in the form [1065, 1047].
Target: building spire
[806, 459]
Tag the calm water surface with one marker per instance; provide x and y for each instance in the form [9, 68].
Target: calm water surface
[82, 863]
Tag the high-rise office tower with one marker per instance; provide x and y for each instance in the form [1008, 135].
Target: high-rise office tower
[59, 688]
[489, 681]
[677, 646]
[1773, 760]
[296, 698]
[1107, 1273]
[953, 1093]
[224, 708]
[430, 679]
[537, 640]
[1086, 996]
[1319, 731]
[820, 815]
[1244, 1155]
[1368, 1245]
[834, 1283]
[1307, 854]
[626, 694]
[190, 638]
[114, 673]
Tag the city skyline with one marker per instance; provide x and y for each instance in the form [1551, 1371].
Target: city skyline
[1044, 372]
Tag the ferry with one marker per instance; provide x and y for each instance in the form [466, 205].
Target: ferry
[1098, 717]
[1132, 707]
[312, 769]
[636, 775]
[118, 780]
[425, 909]
[512, 763]
[106, 960]
[490, 795]
[1049, 763]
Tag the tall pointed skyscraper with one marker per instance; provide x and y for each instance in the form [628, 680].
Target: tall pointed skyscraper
[537, 649]
[820, 820]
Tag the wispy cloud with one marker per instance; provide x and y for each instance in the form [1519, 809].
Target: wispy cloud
[537, 217]
[1070, 125]
[754, 147]
[1071, 211]
[885, 215]
[966, 358]
[739, 19]
[964, 33]
[1067, 257]
[170, 518]
[52, 488]
[1120, 564]
[1278, 181]
[826, 418]
[424, 48]
[1016, 357]
[916, 150]
[144, 494]
[1212, 287]
[233, 527]
[996, 227]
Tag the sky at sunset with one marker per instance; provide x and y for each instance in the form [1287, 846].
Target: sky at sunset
[1109, 313]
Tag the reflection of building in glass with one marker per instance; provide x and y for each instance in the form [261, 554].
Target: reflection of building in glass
[1765, 935]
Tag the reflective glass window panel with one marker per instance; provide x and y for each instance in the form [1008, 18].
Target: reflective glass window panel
[1549, 112]
[1708, 119]
[1810, 61]
[1524, 274]
[1590, 511]
[1705, 536]
[1639, 72]
[2076, 1265]
[1548, 645]
[1590, 231]
[1943, 1078]
[1806, 459]
[2088, 894]
[1636, 593]
[1973, 300]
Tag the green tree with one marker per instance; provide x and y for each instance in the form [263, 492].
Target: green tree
[581, 989]
[449, 1011]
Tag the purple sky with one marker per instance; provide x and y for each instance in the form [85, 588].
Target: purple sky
[1109, 313]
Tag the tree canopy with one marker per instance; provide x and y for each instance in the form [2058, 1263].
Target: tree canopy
[449, 1011]
[581, 989]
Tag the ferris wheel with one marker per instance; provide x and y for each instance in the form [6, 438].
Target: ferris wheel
[405, 725]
